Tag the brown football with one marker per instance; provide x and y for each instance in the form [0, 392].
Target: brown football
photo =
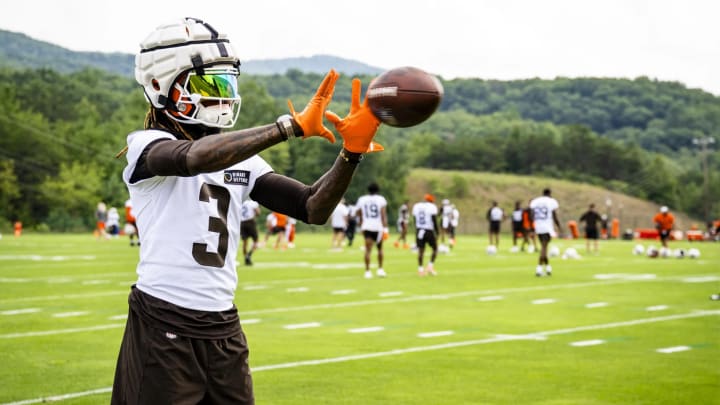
[404, 96]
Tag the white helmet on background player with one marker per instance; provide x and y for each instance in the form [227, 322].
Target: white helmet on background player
[189, 70]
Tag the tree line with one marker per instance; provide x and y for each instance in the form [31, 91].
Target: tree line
[59, 134]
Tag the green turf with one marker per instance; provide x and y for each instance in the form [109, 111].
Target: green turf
[495, 345]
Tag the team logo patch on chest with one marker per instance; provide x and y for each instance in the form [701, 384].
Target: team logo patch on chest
[239, 177]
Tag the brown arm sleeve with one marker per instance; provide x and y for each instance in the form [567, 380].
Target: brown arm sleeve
[311, 204]
[216, 152]
[205, 155]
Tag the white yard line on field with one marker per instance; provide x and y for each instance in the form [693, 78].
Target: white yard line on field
[674, 349]
[533, 336]
[496, 339]
[56, 398]
[440, 296]
[60, 331]
[338, 304]
[66, 296]
[20, 311]
[583, 343]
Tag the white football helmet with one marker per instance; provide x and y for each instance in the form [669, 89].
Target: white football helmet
[189, 70]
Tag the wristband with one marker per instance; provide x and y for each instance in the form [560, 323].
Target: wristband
[285, 125]
[350, 157]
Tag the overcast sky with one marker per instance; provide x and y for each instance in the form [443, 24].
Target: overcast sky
[489, 39]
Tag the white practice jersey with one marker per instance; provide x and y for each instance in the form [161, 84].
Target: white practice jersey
[338, 218]
[423, 213]
[517, 215]
[370, 207]
[543, 208]
[248, 210]
[190, 228]
[352, 212]
[455, 217]
[403, 213]
[496, 214]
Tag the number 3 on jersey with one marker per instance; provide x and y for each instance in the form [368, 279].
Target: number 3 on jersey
[215, 224]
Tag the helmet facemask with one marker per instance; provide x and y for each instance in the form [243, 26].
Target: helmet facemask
[207, 96]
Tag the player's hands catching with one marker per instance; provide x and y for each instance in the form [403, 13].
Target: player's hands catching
[311, 118]
[359, 126]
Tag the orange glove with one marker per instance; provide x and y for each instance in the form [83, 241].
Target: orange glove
[359, 126]
[311, 118]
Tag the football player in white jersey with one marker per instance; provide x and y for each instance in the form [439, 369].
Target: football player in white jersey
[402, 225]
[544, 215]
[351, 224]
[495, 216]
[339, 221]
[517, 225]
[446, 215]
[183, 342]
[248, 228]
[371, 210]
[426, 227]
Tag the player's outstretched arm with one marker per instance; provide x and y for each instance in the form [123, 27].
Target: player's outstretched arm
[213, 153]
[311, 204]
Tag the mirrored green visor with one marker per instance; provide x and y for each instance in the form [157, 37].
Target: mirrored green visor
[222, 85]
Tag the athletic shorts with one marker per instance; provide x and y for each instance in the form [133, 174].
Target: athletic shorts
[664, 234]
[338, 230]
[544, 237]
[157, 367]
[278, 229]
[591, 233]
[248, 229]
[424, 236]
[494, 226]
[518, 227]
[372, 235]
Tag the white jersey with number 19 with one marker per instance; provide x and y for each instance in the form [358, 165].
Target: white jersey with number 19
[371, 206]
[190, 227]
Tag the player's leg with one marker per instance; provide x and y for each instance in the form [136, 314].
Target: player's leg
[542, 259]
[432, 242]
[380, 256]
[420, 243]
[369, 242]
[248, 256]
[155, 367]
[229, 379]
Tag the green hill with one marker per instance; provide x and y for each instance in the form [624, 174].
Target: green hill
[20, 51]
[472, 193]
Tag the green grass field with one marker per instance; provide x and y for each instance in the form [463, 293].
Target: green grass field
[612, 328]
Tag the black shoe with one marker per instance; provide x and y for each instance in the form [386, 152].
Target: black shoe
[248, 262]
